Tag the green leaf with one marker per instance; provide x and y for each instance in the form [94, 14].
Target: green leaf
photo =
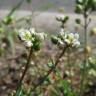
[1, 29]
[19, 92]
[66, 18]
[54, 39]
[78, 21]
[93, 5]
[10, 38]
[29, 91]
[37, 46]
[78, 8]
[64, 86]
[8, 20]
[79, 2]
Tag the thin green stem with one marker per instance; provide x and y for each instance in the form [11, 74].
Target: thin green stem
[83, 78]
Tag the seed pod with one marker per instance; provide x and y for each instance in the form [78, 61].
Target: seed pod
[87, 50]
[93, 32]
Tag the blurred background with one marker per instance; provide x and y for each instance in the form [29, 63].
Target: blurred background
[37, 5]
[40, 14]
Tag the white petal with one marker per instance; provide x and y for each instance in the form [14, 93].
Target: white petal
[76, 44]
[71, 35]
[32, 30]
[62, 31]
[23, 33]
[76, 36]
[61, 42]
[41, 36]
[28, 43]
[67, 41]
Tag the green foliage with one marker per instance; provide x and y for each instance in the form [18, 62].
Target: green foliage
[37, 46]
[54, 40]
[1, 30]
[8, 20]
[78, 9]
[78, 21]
[19, 92]
[85, 5]
[64, 86]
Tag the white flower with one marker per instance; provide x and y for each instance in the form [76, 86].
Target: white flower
[32, 31]
[76, 36]
[62, 31]
[71, 39]
[67, 41]
[29, 36]
[70, 36]
[76, 44]
[60, 42]
[41, 36]
[28, 43]
[24, 34]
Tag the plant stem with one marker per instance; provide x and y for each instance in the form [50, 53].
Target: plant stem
[26, 68]
[84, 75]
[50, 70]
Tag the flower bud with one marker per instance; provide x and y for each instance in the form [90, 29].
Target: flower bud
[8, 20]
[37, 46]
[93, 32]
[78, 8]
[54, 40]
[78, 21]
[79, 1]
[87, 50]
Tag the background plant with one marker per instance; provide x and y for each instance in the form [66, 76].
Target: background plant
[85, 8]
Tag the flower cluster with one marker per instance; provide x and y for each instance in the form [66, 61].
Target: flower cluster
[66, 38]
[31, 38]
